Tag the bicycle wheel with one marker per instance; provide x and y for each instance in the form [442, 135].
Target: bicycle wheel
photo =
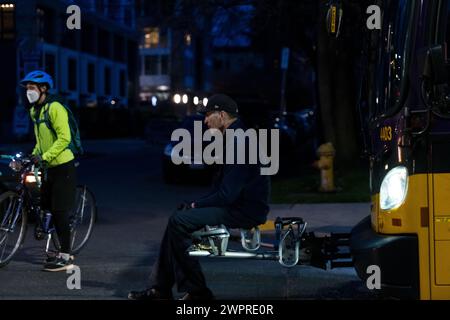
[13, 225]
[82, 221]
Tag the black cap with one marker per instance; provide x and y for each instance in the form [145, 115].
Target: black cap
[221, 102]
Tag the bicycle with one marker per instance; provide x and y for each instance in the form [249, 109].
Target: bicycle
[16, 207]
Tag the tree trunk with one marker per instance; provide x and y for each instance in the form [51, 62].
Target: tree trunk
[324, 71]
[344, 113]
[336, 91]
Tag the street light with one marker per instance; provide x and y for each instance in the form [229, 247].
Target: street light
[177, 98]
[154, 101]
[185, 99]
[196, 101]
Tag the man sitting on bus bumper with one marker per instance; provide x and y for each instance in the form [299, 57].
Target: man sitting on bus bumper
[239, 200]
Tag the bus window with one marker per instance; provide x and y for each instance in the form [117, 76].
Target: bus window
[447, 32]
[444, 107]
[443, 37]
[392, 55]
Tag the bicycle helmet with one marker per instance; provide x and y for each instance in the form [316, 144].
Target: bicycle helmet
[39, 77]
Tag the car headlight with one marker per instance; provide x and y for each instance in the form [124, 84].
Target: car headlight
[394, 188]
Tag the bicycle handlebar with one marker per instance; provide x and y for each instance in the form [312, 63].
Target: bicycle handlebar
[25, 162]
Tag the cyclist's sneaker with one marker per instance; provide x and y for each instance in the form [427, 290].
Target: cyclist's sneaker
[58, 264]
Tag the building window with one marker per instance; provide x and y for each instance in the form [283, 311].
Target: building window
[123, 83]
[50, 66]
[72, 75]
[165, 64]
[101, 7]
[69, 39]
[7, 22]
[151, 65]
[119, 49]
[157, 65]
[107, 81]
[152, 38]
[129, 15]
[104, 43]
[91, 78]
[88, 43]
[45, 24]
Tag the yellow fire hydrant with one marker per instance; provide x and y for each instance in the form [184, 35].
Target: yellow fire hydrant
[326, 153]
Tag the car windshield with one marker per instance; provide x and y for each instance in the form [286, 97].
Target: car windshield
[392, 56]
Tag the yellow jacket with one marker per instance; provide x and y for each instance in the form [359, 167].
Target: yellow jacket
[53, 149]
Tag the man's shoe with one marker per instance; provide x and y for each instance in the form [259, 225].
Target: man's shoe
[197, 297]
[149, 294]
[58, 264]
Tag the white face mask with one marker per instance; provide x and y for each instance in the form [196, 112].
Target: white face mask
[32, 96]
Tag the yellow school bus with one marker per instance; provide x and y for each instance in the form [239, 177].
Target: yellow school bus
[407, 234]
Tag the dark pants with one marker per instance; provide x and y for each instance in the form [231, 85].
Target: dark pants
[58, 197]
[174, 265]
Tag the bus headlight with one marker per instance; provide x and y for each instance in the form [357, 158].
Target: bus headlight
[394, 188]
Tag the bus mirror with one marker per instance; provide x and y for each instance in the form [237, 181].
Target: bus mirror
[435, 66]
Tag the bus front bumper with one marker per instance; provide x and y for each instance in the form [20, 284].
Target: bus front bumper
[395, 255]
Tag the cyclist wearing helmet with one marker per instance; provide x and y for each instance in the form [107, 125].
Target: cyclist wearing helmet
[59, 184]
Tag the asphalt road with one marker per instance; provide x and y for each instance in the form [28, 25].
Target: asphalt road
[134, 205]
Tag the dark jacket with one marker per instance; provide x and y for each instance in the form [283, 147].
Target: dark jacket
[240, 187]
